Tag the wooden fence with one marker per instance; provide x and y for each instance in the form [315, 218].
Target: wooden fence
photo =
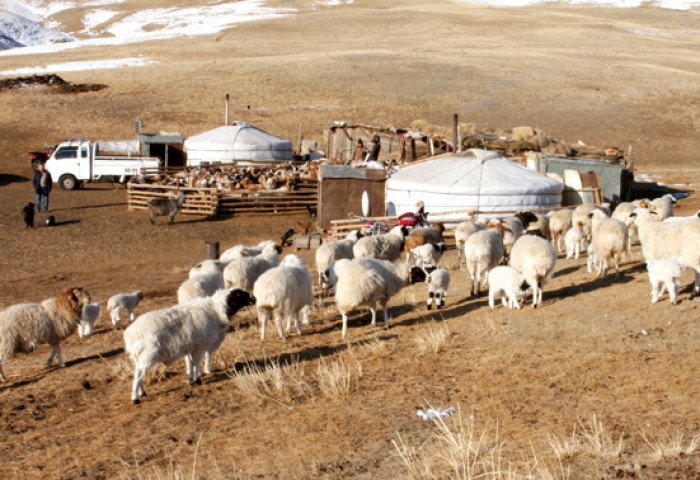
[209, 201]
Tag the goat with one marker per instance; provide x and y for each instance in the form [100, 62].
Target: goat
[165, 206]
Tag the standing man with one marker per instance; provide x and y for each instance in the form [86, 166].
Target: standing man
[42, 183]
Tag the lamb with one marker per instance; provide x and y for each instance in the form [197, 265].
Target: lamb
[91, 312]
[483, 251]
[243, 272]
[203, 284]
[366, 281]
[663, 206]
[181, 331]
[559, 224]
[329, 252]
[509, 284]
[383, 247]
[25, 325]
[610, 240]
[428, 254]
[165, 206]
[679, 240]
[534, 258]
[283, 292]
[421, 236]
[665, 273]
[123, 301]
[575, 242]
[240, 251]
[438, 281]
[463, 231]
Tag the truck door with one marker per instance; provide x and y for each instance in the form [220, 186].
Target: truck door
[84, 163]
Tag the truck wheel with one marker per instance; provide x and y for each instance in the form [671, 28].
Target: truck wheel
[68, 182]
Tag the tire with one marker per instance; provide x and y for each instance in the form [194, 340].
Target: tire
[68, 182]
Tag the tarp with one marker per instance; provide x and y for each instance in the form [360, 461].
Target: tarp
[240, 143]
[475, 180]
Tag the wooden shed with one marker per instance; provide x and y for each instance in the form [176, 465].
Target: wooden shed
[340, 192]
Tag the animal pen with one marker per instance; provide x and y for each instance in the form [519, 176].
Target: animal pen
[208, 201]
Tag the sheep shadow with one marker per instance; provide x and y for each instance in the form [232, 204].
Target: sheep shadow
[85, 207]
[288, 358]
[109, 354]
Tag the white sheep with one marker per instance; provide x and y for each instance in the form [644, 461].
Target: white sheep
[665, 273]
[575, 242]
[243, 272]
[333, 271]
[463, 231]
[203, 284]
[679, 240]
[24, 326]
[508, 283]
[663, 206]
[91, 312]
[383, 247]
[186, 331]
[593, 261]
[428, 254]
[283, 292]
[329, 252]
[609, 241]
[240, 251]
[541, 224]
[123, 301]
[534, 258]
[623, 212]
[438, 281]
[483, 251]
[581, 216]
[695, 217]
[366, 281]
[559, 224]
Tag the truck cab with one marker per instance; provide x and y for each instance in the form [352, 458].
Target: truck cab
[69, 162]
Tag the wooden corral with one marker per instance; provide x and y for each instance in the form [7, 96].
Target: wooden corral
[304, 199]
[198, 201]
[210, 201]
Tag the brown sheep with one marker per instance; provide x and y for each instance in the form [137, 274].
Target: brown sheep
[421, 236]
[26, 325]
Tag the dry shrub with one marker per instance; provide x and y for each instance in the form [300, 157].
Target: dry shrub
[281, 383]
[671, 447]
[432, 338]
[336, 379]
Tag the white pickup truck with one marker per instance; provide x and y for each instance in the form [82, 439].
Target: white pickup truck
[76, 161]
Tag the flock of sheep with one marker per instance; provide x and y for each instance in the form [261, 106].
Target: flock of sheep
[513, 256]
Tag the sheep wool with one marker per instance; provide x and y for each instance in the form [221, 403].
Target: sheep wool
[438, 283]
[364, 282]
[26, 325]
[283, 292]
[91, 312]
[329, 252]
[186, 331]
[534, 258]
[509, 284]
[383, 247]
[483, 251]
[665, 273]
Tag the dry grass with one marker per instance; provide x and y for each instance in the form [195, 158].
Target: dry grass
[338, 378]
[281, 383]
[433, 338]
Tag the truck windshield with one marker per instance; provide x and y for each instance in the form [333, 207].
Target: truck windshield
[67, 152]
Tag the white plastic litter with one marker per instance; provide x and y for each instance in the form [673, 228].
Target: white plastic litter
[435, 413]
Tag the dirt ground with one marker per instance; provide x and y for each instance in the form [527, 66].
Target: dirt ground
[597, 383]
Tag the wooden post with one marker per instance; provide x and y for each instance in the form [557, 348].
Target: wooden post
[455, 124]
[301, 137]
